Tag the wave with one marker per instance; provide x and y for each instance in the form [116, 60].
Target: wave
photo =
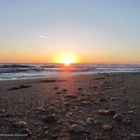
[17, 68]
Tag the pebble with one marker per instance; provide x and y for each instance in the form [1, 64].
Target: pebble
[65, 90]
[46, 132]
[8, 114]
[2, 111]
[110, 112]
[50, 118]
[108, 91]
[58, 92]
[45, 127]
[131, 112]
[90, 119]
[40, 108]
[77, 128]
[69, 95]
[102, 99]
[96, 122]
[56, 87]
[107, 127]
[102, 111]
[134, 107]
[82, 123]
[128, 122]
[84, 93]
[88, 122]
[79, 88]
[26, 132]
[118, 117]
[85, 102]
[20, 124]
[124, 120]
[115, 98]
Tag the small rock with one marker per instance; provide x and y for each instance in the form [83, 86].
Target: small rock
[66, 103]
[118, 117]
[102, 99]
[40, 108]
[108, 91]
[8, 114]
[20, 124]
[85, 102]
[8, 119]
[79, 88]
[107, 127]
[83, 94]
[102, 111]
[26, 132]
[96, 122]
[2, 111]
[56, 87]
[124, 120]
[50, 118]
[88, 122]
[65, 90]
[82, 123]
[58, 92]
[115, 98]
[69, 95]
[128, 122]
[110, 112]
[131, 112]
[46, 132]
[45, 127]
[134, 107]
[77, 128]
[90, 119]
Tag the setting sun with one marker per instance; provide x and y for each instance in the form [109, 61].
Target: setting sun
[66, 58]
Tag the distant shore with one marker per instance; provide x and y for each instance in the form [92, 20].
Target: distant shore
[47, 108]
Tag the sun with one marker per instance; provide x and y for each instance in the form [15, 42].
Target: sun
[66, 58]
[67, 61]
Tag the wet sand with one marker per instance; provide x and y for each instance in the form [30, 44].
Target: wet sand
[49, 107]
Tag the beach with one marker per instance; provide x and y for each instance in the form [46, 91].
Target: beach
[82, 107]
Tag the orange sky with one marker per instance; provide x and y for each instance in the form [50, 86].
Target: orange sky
[87, 32]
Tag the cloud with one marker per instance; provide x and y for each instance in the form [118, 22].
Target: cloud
[41, 36]
[35, 47]
[32, 46]
[135, 46]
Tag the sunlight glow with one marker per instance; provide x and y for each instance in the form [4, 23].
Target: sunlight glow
[67, 61]
[66, 58]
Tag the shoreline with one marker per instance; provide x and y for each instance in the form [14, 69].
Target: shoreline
[50, 106]
[62, 76]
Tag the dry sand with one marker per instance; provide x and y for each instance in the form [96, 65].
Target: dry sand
[49, 107]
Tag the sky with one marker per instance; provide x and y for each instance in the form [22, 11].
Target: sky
[87, 31]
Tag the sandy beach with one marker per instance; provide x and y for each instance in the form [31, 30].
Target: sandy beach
[83, 107]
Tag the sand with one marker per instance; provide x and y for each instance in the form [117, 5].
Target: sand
[49, 107]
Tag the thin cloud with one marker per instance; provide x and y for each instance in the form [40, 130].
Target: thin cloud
[41, 36]
[34, 47]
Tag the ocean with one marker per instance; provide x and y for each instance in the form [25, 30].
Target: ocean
[14, 71]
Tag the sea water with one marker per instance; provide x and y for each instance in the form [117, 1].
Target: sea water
[14, 71]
